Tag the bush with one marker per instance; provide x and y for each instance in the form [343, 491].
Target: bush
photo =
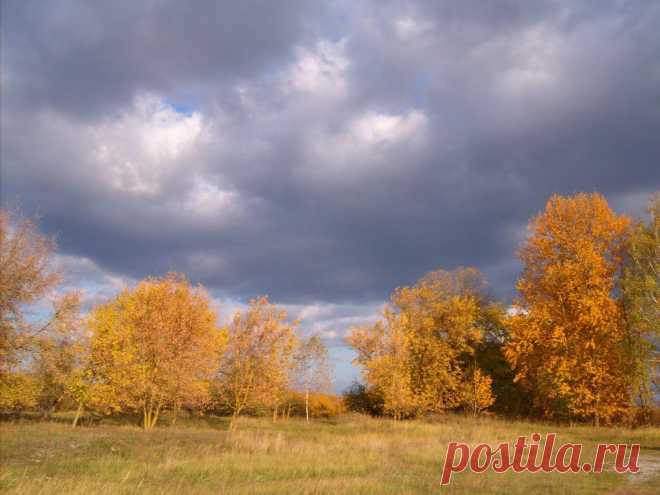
[358, 398]
[320, 405]
[19, 392]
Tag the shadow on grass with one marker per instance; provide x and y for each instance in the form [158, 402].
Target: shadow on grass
[90, 420]
[66, 417]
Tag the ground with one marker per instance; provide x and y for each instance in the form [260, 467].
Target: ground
[350, 455]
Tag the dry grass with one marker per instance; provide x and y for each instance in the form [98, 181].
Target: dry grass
[354, 454]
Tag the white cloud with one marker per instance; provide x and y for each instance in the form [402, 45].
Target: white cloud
[319, 71]
[379, 129]
[366, 144]
[145, 145]
[206, 199]
[331, 321]
[407, 28]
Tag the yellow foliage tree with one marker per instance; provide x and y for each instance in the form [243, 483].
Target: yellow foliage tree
[154, 347]
[478, 394]
[641, 302]
[416, 357]
[28, 273]
[566, 333]
[19, 391]
[312, 372]
[384, 354]
[256, 367]
[60, 354]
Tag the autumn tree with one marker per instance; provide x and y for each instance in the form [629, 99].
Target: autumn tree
[641, 301]
[567, 332]
[59, 355]
[256, 368]
[312, 370]
[417, 356]
[477, 394]
[29, 278]
[155, 346]
[88, 390]
[383, 353]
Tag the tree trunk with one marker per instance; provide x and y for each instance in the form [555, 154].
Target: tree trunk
[77, 416]
[307, 405]
[154, 419]
[150, 414]
[175, 413]
[148, 418]
[232, 422]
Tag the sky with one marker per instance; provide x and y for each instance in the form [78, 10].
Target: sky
[321, 153]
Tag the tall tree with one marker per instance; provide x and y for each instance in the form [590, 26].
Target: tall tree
[312, 368]
[156, 346]
[566, 335]
[641, 300]
[28, 277]
[257, 364]
[59, 356]
[383, 352]
[416, 357]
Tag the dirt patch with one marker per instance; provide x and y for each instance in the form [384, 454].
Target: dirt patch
[648, 467]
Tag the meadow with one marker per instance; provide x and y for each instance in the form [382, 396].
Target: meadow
[352, 454]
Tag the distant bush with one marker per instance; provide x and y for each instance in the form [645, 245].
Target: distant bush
[645, 416]
[18, 392]
[358, 398]
[320, 405]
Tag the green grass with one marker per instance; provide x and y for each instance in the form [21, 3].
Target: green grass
[352, 455]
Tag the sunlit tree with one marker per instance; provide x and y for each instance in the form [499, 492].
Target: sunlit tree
[567, 334]
[478, 394]
[153, 347]
[256, 368]
[312, 370]
[32, 309]
[417, 355]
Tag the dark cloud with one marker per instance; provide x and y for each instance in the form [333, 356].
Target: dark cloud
[89, 57]
[321, 155]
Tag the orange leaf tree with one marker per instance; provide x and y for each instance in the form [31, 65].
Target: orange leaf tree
[478, 394]
[156, 346]
[257, 365]
[28, 275]
[566, 334]
[416, 358]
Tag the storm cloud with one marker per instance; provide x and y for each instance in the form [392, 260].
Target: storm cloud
[322, 155]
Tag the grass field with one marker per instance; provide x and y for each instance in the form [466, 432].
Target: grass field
[351, 455]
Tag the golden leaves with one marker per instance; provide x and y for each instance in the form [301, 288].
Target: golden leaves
[414, 357]
[156, 346]
[565, 339]
[255, 369]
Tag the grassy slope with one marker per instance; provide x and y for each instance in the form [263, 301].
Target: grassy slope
[354, 455]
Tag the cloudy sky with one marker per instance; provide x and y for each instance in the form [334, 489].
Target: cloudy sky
[322, 153]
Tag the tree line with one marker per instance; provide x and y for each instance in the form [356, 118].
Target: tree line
[154, 348]
[579, 342]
